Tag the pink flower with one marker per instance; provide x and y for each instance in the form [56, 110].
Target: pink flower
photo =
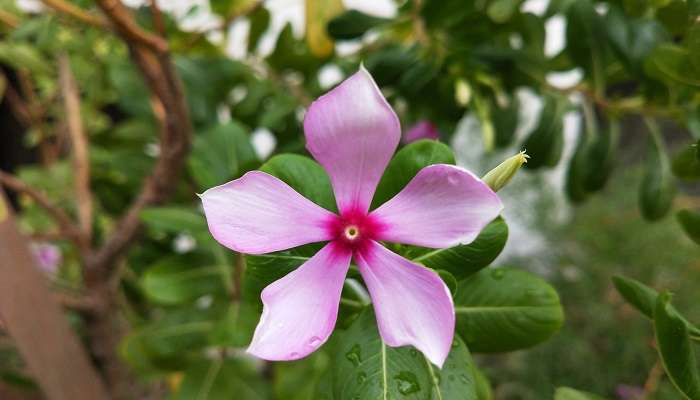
[48, 257]
[352, 132]
[421, 130]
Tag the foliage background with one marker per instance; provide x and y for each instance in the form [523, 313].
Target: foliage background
[487, 73]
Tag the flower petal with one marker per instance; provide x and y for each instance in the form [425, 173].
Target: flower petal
[442, 206]
[259, 213]
[421, 130]
[300, 309]
[353, 132]
[413, 305]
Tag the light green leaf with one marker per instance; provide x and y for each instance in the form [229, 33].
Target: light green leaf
[690, 221]
[565, 393]
[182, 279]
[305, 176]
[505, 309]
[222, 380]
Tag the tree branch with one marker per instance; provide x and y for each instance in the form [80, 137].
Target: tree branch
[76, 12]
[65, 224]
[126, 26]
[79, 143]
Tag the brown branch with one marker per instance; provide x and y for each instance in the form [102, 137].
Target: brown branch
[126, 26]
[17, 105]
[77, 13]
[79, 143]
[175, 134]
[9, 19]
[158, 23]
[65, 224]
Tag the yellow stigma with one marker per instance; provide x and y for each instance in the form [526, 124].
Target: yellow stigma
[351, 232]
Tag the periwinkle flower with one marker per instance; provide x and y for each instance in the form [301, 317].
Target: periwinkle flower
[352, 132]
[48, 257]
[423, 129]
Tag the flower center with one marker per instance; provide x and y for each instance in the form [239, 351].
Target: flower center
[351, 232]
[354, 229]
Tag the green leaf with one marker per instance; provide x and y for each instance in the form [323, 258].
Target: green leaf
[586, 40]
[449, 280]
[686, 165]
[180, 279]
[236, 327]
[300, 380]
[675, 348]
[506, 309]
[365, 368]
[505, 121]
[546, 141]
[633, 39]
[500, 11]
[690, 222]
[352, 24]
[406, 164]
[483, 386]
[672, 62]
[305, 176]
[21, 56]
[565, 393]
[318, 13]
[658, 188]
[643, 298]
[602, 155]
[174, 219]
[259, 22]
[265, 269]
[465, 260]
[222, 380]
[220, 154]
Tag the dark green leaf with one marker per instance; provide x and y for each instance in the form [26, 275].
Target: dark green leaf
[505, 121]
[174, 219]
[259, 22]
[672, 62]
[658, 188]
[483, 386]
[544, 144]
[506, 309]
[220, 154]
[690, 221]
[686, 165]
[406, 164]
[365, 368]
[352, 24]
[675, 348]
[463, 261]
[500, 11]
[305, 176]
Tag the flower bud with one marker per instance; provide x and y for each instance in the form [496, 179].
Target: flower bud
[502, 174]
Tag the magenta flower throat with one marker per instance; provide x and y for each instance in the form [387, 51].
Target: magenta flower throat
[353, 132]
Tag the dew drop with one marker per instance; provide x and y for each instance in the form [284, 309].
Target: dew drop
[294, 355]
[464, 378]
[315, 341]
[497, 274]
[407, 382]
[354, 355]
[361, 377]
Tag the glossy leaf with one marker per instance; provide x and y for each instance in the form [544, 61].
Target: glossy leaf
[406, 164]
[365, 368]
[505, 309]
[304, 175]
[465, 260]
[676, 349]
[673, 63]
[175, 280]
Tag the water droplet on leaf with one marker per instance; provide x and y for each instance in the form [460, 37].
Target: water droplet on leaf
[315, 341]
[407, 382]
[497, 274]
[361, 377]
[354, 355]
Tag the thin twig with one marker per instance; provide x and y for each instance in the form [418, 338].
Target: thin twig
[65, 224]
[157, 18]
[77, 13]
[79, 144]
[127, 26]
